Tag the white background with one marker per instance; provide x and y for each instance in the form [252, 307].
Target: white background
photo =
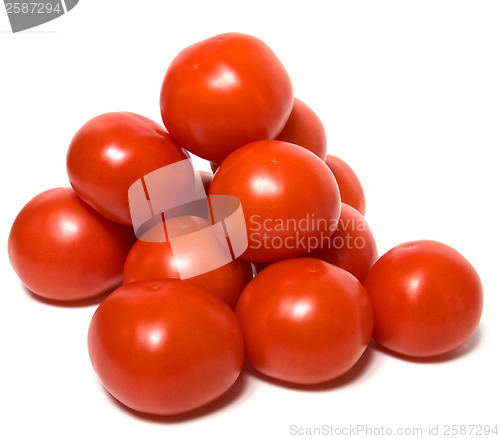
[409, 93]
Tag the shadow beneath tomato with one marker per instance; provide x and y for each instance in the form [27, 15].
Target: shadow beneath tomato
[357, 372]
[469, 346]
[236, 392]
[93, 301]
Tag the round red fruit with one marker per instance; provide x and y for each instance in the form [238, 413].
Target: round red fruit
[62, 249]
[304, 321]
[112, 151]
[289, 198]
[224, 92]
[165, 347]
[427, 299]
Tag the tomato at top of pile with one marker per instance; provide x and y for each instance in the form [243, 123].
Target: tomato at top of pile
[224, 92]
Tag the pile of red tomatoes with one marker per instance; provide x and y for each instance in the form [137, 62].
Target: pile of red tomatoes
[304, 299]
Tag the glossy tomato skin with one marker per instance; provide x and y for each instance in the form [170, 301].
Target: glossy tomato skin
[304, 128]
[63, 250]
[112, 151]
[289, 198]
[155, 260]
[427, 299]
[352, 246]
[165, 347]
[304, 321]
[224, 92]
[351, 189]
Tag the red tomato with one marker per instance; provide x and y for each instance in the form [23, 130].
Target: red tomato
[165, 347]
[112, 151]
[224, 92]
[305, 128]
[155, 260]
[61, 249]
[304, 321]
[288, 195]
[351, 191]
[427, 299]
[352, 246]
